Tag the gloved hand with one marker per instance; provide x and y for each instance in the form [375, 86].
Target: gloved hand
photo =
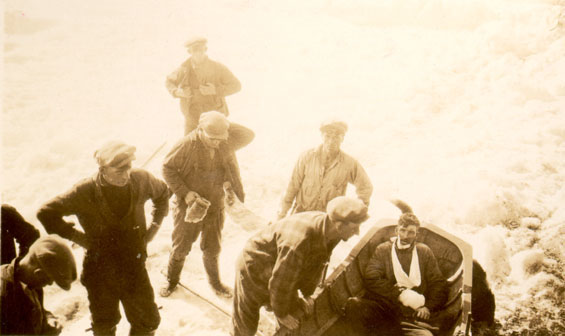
[308, 305]
[229, 194]
[190, 197]
[183, 92]
[52, 325]
[79, 238]
[411, 299]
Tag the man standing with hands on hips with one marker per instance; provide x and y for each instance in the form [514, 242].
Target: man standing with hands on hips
[110, 207]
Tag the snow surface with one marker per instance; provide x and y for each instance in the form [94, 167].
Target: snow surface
[456, 107]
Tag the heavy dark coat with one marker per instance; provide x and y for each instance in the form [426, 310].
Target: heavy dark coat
[15, 227]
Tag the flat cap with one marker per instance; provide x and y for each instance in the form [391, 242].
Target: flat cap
[114, 154]
[194, 41]
[333, 125]
[214, 124]
[56, 259]
[347, 209]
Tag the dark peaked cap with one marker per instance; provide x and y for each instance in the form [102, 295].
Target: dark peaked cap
[195, 41]
[347, 209]
[56, 259]
[333, 125]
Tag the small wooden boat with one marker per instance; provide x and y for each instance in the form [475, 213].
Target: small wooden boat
[455, 261]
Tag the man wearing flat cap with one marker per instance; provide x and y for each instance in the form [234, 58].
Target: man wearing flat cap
[289, 256]
[197, 168]
[201, 84]
[323, 173]
[49, 260]
[110, 209]
[404, 286]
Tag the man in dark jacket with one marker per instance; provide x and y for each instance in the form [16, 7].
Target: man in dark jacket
[404, 286]
[49, 260]
[15, 227]
[290, 256]
[196, 170]
[201, 84]
[110, 209]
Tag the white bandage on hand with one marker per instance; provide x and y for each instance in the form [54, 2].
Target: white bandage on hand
[412, 299]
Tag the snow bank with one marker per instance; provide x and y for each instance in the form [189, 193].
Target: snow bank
[453, 106]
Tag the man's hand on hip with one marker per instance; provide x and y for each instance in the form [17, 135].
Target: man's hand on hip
[151, 232]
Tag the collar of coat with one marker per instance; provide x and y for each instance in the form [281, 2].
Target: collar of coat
[338, 158]
[104, 207]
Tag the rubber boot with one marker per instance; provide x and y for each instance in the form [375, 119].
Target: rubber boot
[134, 332]
[213, 272]
[173, 276]
[96, 331]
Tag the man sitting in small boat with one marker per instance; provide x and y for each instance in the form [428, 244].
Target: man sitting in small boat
[404, 286]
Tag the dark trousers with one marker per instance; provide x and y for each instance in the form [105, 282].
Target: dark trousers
[133, 289]
[191, 115]
[248, 298]
[185, 234]
[192, 112]
[373, 316]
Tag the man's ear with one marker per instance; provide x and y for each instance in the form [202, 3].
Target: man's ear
[340, 225]
[39, 273]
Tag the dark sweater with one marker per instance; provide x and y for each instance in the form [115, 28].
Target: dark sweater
[15, 227]
[380, 279]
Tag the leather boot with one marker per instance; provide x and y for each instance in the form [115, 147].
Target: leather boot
[173, 276]
[213, 272]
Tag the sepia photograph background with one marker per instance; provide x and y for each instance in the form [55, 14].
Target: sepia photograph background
[456, 107]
